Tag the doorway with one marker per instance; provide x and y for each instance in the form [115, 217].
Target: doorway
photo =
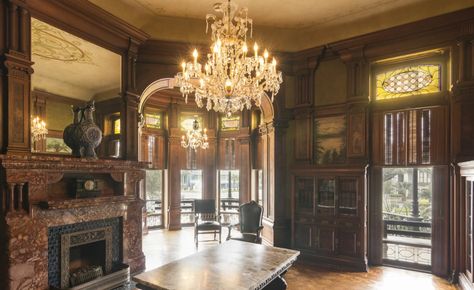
[154, 201]
[407, 216]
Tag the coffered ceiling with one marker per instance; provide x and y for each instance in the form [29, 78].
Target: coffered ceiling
[283, 25]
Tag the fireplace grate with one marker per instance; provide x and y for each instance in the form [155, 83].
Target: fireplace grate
[86, 274]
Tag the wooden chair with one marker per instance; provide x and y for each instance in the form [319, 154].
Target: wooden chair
[206, 219]
[250, 223]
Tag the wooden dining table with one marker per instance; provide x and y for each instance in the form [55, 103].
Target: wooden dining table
[230, 265]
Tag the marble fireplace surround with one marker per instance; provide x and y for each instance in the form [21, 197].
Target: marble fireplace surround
[27, 213]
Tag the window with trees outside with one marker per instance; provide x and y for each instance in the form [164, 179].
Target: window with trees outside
[407, 214]
[154, 198]
[229, 194]
[191, 189]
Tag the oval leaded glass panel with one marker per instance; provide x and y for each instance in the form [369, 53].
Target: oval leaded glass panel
[408, 81]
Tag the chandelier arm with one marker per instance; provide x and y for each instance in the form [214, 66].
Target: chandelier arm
[230, 80]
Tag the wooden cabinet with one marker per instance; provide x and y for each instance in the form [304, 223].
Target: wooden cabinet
[328, 216]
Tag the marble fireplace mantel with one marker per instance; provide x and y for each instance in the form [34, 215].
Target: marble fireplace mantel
[33, 200]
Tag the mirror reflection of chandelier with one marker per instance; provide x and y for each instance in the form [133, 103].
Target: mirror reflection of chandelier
[232, 78]
[195, 138]
[38, 129]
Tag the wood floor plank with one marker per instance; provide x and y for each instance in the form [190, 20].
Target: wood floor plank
[162, 247]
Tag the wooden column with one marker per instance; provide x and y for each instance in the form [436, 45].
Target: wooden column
[209, 177]
[15, 73]
[175, 159]
[129, 118]
[129, 115]
[245, 168]
[281, 226]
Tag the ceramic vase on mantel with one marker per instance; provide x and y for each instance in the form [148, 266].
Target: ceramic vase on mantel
[83, 135]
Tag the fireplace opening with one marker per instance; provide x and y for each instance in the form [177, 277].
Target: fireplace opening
[87, 262]
[87, 256]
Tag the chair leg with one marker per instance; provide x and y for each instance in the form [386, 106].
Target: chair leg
[196, 237]
[214, 235]
[220, 236]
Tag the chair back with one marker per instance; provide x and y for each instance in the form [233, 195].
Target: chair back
[250, 217]
[205, 208]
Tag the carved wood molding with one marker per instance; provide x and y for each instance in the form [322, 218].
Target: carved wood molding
[89, 21]
[18, 65]
[134, 176]
[117, 176]
[60, 163]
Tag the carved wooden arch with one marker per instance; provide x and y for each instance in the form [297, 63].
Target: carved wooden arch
[267, 108]
[158, 85]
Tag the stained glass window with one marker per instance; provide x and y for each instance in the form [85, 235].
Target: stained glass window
[408, 81]
[153, 120]
[117, 126]
[230, 123]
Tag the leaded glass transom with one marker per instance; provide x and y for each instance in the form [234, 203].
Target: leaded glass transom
[153, 120]
[408, 81]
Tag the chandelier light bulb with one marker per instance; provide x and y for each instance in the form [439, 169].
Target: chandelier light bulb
[38, 129]
[228, 80]
[195, 55]
[228, 86]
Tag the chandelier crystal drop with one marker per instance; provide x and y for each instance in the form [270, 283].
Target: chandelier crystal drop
[38, 129]
[195, 138]
[232, 78]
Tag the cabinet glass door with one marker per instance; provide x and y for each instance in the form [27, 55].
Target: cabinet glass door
[304, 199]
[326, 195]
[347, 196]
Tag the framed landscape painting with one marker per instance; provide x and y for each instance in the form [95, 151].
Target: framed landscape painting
[57, 145]
[330, 140]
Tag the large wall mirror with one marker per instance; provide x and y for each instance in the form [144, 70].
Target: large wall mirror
[71, 71]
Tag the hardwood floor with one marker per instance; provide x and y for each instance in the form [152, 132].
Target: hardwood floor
[162, 247]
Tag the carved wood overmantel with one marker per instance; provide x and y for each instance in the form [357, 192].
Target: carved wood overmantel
[84, 20]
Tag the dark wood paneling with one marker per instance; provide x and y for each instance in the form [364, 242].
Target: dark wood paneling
[303, 143]
[375, 216]
[440, 223]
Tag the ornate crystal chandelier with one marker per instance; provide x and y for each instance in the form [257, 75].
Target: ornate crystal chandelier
[232, 77]
[195, 138]
[38, 129]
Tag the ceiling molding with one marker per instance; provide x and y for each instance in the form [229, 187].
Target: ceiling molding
[423, 34]
[88, 21]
